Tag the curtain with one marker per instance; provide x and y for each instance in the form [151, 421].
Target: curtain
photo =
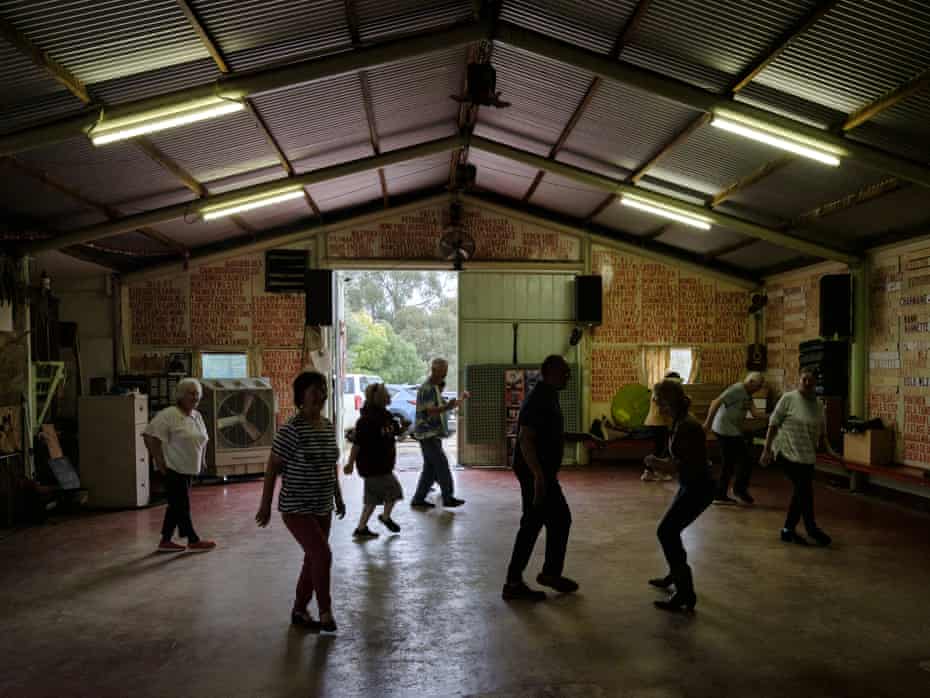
[197, 364]
[695, 375]
[657, 360]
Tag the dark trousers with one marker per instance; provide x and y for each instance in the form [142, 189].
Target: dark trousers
[802, 499]
[735, 457]
[690, 501]
[312, 532]
[178, 513]
[660, 435]
[554, 514]
[435, 469]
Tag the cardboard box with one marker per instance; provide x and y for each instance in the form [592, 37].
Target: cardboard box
[872, 447]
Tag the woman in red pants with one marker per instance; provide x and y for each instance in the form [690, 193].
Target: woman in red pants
[306, 454]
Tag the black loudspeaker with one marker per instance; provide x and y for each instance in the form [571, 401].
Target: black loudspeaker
[830, 363]
[588, 300]
[318, 284]
[836, 305]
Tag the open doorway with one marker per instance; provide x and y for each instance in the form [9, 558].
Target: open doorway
[392, 323]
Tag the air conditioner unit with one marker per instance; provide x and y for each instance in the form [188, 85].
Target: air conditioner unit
[239, 414]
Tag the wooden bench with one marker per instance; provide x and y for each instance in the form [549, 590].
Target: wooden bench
[858, 472]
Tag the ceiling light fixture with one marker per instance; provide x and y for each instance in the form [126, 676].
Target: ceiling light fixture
[249, 203]
[665, 211]
[777, 138]
[126, 127]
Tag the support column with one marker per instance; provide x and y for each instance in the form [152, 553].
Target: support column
[859, 358]
[582, 455]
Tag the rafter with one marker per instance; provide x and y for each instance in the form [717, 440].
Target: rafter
[896, 96]
[42, 60]
[869, 193]
[729, 249]
[759, 174]
[201, 30]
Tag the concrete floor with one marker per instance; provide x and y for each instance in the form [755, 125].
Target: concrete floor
[87, 609]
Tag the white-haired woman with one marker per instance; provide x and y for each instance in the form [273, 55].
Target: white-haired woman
[177, 441]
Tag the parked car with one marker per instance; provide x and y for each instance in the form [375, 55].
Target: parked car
[404, 404]
[353, 396]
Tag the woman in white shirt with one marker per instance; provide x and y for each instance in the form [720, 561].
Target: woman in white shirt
[177, 441]
[796, 430]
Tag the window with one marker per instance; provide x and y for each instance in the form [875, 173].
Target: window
[225, 366]
[680, 362]
[348, 385]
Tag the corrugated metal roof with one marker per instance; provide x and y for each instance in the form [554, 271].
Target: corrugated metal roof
[759, 256]
[511, 138]
[218, 148]
[352, 151]
[157, 82]
[332, 117]
[382, 19]
[698, 241]
[592, 165]
[625, 127]
[413, 175]
[904, 129]
[595, 25]
[26, 196]
[77, 220]
[109, 174]
[804, 185]
[29, 95]
[903, 209]
[403, 139]
[857, 52]
[711, 159]
[245, 179]
[63, 266]
[133, 242]
[195, 233]
[147, 203]
[108, 38]
[628, 220]
[725, 35]
[543, 94]
[346, 192]
[252, 33]
[501, 175]
[793, 107]
[411, 95]
[566, 196]
[674, 67]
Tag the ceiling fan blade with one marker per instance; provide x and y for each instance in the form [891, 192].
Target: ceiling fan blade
[251, 430]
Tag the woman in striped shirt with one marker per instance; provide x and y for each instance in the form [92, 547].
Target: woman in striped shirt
[305, 453]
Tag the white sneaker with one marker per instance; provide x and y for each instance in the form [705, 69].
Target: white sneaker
[649, 476]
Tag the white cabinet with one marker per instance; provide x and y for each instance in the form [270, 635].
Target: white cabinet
[114, 461]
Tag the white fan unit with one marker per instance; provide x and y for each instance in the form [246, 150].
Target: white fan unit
[239, 413]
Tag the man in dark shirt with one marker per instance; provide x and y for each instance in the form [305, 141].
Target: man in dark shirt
[536, 463]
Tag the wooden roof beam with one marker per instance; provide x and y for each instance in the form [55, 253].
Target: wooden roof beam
[42, 60]
[201, 30]
[770, 167]
[893, 98]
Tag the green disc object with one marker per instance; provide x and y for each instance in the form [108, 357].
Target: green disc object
[630, 405]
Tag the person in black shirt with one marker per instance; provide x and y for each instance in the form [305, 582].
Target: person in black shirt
[536, 462]
[687, 453]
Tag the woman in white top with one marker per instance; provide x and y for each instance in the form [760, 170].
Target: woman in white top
[177, 441]
[796, 430]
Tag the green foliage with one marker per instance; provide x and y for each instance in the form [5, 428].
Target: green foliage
[382, 352]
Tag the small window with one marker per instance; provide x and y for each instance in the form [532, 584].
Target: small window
[680, 362]
[348, 385]
[225, 366]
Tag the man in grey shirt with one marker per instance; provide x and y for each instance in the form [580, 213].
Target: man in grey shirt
[725, 418]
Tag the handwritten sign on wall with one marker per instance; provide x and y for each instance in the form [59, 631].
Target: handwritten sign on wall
[659, 303]
[612, 368]
[281, 366]
[160, 312]
[221, 303]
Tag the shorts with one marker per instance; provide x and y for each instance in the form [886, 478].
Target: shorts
[381, 489]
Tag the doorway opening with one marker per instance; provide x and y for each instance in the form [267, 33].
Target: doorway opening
[392, 324]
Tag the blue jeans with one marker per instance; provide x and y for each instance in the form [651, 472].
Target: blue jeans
[435, 469]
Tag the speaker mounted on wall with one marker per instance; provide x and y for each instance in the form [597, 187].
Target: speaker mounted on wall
[836, 316]
[588, 299]
[318, 304]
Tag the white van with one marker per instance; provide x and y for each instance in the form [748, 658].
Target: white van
[353, 396]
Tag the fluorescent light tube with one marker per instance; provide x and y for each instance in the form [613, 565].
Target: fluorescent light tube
[769, 137]
[666, 212]
[249, 203]
[123, 128]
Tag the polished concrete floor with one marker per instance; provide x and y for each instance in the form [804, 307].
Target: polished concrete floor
[86, 608]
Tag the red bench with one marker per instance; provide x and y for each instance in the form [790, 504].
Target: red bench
[901, 473]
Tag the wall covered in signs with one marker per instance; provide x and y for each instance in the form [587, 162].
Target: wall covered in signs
[217, 307]
[899, 347]
[649, 303]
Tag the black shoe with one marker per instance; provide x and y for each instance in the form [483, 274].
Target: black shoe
[451, 502]
[328, 626]
[561, 584]
[723, 499]
[521, 592]
[364, 533]
[744, 497]
[790, 536]
[302, 619]
[390, 523]
[820, 537]
[662, 582]
[422, 505]
[678, 603]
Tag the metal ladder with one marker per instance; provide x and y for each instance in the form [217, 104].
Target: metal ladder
[47, 376]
